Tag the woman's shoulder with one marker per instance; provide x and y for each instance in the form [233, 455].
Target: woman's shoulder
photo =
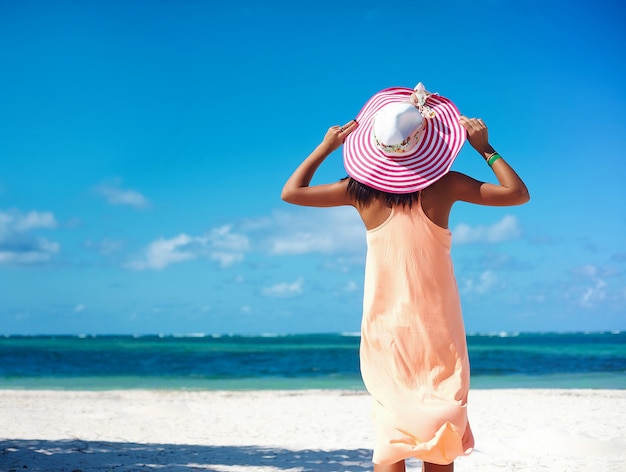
[453, 177]
[445, 184]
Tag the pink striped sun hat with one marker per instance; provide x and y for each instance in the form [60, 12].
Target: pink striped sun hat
[406, 140]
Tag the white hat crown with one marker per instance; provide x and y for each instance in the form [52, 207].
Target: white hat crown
[397, 128]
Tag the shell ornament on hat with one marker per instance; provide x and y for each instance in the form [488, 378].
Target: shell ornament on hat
[406, 140]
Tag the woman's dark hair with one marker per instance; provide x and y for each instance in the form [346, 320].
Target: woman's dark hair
[364, 194]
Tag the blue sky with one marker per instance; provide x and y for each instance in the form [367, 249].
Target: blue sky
[143, 147]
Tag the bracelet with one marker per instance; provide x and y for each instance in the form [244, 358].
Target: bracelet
[493, 158]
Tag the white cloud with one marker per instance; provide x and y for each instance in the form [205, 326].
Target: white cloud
[164, 252]
[105, 247]
[326, 230]
[220, 244]
[485, 283]
[592, 288]
[17, 246]
[351, 286]
[284, 289]
[302, 243]
[80, 307]
[226, 259]
[118, 196]
[16, 222]
[34, 220]
[226, 247]
[587, 270]
[504, 230]
[590, 271]
[592, 295]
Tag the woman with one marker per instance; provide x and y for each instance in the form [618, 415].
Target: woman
[398, 153]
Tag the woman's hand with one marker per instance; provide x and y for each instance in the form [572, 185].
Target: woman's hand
[336, 135]
[477, 135]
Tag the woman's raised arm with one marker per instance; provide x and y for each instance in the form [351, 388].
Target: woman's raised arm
[510, 189]
[297, 190]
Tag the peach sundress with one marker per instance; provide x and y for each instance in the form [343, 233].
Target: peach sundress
[413, 352]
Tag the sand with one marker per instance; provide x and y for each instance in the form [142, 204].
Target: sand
[303, 431]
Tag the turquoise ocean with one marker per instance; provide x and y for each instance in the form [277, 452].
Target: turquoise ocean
[299, 361]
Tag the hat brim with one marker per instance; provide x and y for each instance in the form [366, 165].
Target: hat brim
[431, 159]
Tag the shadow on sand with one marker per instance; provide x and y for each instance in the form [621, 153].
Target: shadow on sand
[20, 455]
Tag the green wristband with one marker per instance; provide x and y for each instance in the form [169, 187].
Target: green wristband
[493, 159]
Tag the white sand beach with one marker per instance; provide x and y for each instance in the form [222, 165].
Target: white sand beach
[295, 431]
